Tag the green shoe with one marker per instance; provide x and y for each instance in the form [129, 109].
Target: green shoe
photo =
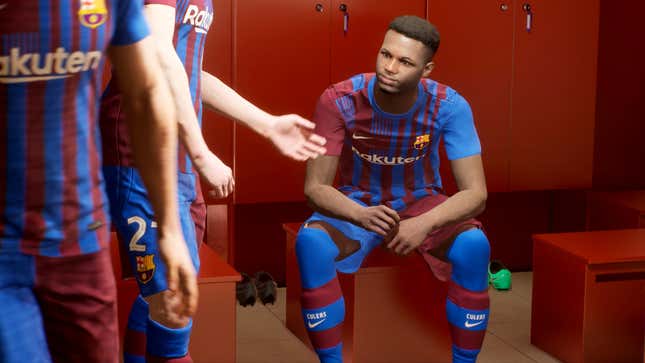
[498, 275]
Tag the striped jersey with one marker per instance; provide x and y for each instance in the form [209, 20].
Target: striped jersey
[51, 59]
[193, 18]
[393, 159]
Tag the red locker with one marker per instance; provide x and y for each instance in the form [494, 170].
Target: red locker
[478, 65]
[528, 68]
[554, 94]
[281, 65]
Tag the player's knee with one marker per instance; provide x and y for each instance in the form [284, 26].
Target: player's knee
[470, 247]
[315, 244]
[316, 253]
[162, 314]
[469, 256]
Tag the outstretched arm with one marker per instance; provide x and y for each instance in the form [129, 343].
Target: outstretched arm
[291, 134]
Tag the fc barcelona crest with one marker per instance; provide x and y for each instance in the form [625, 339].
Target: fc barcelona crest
[92, 13]
[422, 142]
[145, 268]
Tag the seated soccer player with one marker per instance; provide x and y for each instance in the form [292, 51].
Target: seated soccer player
[383, 129]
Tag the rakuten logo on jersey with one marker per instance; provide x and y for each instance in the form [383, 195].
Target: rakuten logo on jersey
[20, 67]
[200, 19]
[386, 160]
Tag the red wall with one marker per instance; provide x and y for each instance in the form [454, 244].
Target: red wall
[619, 152]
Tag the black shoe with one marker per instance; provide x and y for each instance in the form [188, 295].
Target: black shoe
[245, 291]
[266, 287]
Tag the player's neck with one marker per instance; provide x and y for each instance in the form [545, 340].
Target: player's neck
[395, 103]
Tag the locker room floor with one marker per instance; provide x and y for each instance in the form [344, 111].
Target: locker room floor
[263, 338]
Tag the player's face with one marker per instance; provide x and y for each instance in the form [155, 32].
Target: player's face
[401, 63]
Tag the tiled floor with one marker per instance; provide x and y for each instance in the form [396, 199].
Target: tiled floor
[263, 338]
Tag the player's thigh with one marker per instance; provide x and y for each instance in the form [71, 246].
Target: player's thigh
[22, 338]
[354, 243]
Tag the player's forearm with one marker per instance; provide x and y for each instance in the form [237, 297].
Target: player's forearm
[461, 206]
[153, 130]
[330, 201]
[190, 134]
[221, 98]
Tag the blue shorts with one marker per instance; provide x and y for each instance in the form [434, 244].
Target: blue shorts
[67, 304]
[133, 218]
[368, 240]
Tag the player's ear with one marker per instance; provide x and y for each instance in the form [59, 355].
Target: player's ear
[427, 68]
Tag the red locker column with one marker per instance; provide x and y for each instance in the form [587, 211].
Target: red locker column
[282, 65]
[354, 51]
[218, 130]
[218, 60]
[554, 93]
[476, 58]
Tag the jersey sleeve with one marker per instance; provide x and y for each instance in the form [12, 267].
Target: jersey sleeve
[459, 134]
[329, 123]
[130, 23]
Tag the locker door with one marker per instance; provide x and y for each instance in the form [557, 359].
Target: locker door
[282, 65]
[475, 57]
[354, 50]
[554, 94]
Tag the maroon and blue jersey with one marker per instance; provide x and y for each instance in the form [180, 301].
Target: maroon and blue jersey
[52, 201]
[393, 159]
[192, 20]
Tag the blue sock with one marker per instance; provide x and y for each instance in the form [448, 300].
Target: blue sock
[467, 306]
[323, 306]
[165, 342]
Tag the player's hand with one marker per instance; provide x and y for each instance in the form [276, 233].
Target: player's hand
[295, 138]
[218, 175]
[379, 219]
[180, 301]
[411, 234]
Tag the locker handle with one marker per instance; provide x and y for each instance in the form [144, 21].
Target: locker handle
[345, 10]
[320, 8]
[529, 16]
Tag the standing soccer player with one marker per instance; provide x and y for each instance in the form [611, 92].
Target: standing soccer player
[384, 130]
[57, 290]
[180, 29]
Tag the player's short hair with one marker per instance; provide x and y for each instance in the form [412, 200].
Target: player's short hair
[419, 29]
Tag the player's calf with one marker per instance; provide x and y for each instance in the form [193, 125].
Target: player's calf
[323, 306]
[467, 306]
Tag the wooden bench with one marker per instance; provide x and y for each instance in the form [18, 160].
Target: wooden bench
[589, 295]
[214, 327]
[395, 309]
[616, 210]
